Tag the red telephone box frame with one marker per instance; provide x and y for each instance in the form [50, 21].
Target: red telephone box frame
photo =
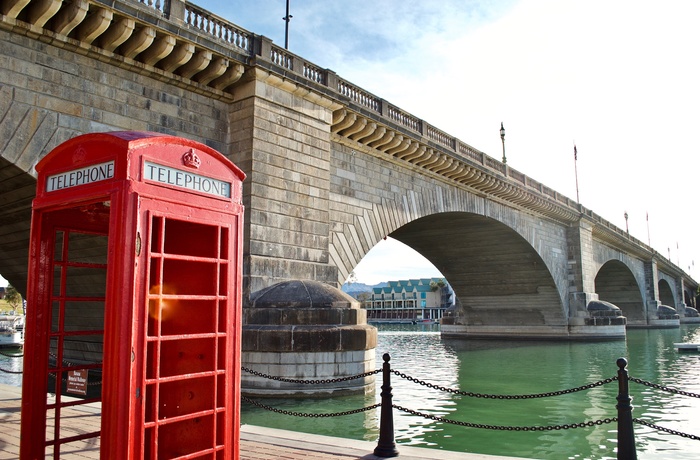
[165, 217]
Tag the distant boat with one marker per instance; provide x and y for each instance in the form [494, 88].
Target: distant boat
[11, 331]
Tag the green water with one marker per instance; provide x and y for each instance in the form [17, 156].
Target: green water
[514, 367]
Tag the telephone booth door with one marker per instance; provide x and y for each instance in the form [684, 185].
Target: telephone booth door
[132, 345]
[188, 334]
[74, 318]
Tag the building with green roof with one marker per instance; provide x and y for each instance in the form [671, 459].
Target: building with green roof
[423, 299]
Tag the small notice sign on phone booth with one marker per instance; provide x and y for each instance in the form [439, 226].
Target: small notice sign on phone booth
[133, 330]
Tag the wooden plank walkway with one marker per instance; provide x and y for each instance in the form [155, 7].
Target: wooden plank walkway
[257, 443]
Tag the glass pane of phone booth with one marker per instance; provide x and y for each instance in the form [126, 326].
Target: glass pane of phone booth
[76, 336]
[186, 341]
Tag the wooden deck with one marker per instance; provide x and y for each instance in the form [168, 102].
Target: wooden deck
[257, 443]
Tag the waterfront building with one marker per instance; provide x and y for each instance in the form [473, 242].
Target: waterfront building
[424, 299]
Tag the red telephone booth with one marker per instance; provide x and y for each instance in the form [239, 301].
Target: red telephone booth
[133, 331]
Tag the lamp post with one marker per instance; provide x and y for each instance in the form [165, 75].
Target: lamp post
[286, 19]
[503, 141]
[627, 224]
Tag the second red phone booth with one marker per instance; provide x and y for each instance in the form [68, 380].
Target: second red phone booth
[133, 331]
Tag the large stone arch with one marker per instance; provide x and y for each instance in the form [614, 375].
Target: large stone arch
[689, 298]
[498, 277]
[616, 283]
[371, 199]
[17, 190]
[666, 296]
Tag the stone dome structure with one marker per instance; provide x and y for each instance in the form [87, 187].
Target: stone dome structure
[306, 330]
[604, 313]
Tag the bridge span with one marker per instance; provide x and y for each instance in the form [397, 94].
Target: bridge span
[332, 169]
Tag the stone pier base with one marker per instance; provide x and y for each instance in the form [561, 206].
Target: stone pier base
[308, 366]
[570, 332]
[306, 330]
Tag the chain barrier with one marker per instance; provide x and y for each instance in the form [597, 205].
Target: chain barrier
[7, 371]
[11, 355]
[310, 382]
[667, 390]
[67, 363]
[448, 390]
[311, 415]
[506, 428]
[666, 430]
[492, 396]
[8, 355]
[664, 388]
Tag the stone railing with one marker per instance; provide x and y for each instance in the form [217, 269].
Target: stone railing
[219, 28]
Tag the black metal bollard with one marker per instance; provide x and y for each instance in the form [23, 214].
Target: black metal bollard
[626, 449]
[386, 447]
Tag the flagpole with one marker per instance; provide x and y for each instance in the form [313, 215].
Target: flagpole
[648, 234]
[576, 171]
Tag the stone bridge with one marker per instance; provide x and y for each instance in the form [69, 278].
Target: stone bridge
[332, 169]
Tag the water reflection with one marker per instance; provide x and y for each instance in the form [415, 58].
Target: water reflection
[11, 363]
[516, 367]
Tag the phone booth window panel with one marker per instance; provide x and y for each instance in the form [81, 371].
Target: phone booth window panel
[191, 316]
[189, 356]
[179, 239]
[199, 397]
[88, 248]
[192, 277]
[84, 315]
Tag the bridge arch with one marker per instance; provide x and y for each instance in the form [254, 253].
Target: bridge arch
[689, 298]
[666, 296]
[498, 277]
[617, 284]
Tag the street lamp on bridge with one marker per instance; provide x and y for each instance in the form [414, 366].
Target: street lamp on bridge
[286, 19]
[503, 141]
[627, 224]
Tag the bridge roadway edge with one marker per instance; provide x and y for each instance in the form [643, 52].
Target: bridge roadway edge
[257, 443]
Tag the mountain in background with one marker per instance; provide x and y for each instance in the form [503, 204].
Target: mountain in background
[355, 289]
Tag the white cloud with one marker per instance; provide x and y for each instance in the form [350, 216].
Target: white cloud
[391, 260]
[618, 78]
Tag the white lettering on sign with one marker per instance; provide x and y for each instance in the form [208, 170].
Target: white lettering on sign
[82, 176]
[185, 179]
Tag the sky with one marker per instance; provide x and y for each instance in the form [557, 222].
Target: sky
[618, 79]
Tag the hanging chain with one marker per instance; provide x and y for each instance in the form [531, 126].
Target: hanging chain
[664, 388]
[7, 371]
[8, 355]
[491, 396]
[303, 414]
[11, 355]
[311, 382]
[666, 430]
[507, 428]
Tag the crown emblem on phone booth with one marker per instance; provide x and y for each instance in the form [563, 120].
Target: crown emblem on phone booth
[191, 159]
